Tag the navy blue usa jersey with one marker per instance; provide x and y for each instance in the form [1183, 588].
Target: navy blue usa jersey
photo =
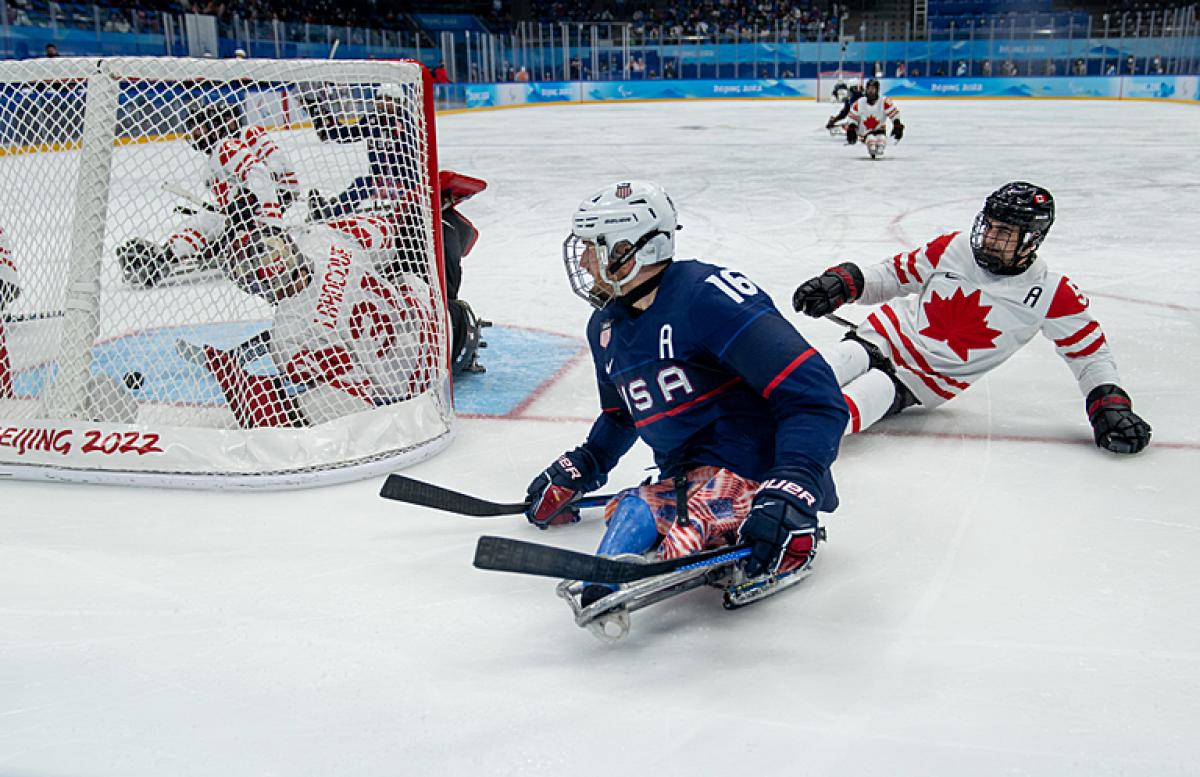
[386, 137]
[712, 374]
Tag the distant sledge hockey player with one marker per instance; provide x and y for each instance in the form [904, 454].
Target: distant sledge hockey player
[10, 290]
[743, 415]
[251, 181]
[353, 324]
[848, 96]
[383, 130]
[968, 303]
[868, 119]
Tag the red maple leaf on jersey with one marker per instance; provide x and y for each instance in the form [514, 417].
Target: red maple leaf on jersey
[871, 122]
[960, 321]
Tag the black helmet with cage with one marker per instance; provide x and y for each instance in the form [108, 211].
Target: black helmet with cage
[1013, 223]
[211, 121]
[872, 96]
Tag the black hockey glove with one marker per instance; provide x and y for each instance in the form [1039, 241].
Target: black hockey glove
[851, 134]
[830, 290]
[551, 493]
[897, 129]
[1114, 424]
[781, 528]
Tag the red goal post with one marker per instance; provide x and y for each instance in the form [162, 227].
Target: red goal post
[95, 385]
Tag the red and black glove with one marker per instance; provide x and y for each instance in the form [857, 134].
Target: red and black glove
[551, 493]
[830, 290]
[1114, 424]
[781, 528]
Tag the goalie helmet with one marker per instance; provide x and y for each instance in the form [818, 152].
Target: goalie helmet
[1013, 223]
[267, 264]
[211, 121]
[629, 221]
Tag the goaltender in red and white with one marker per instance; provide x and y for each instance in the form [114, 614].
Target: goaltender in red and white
[353, 327]
[963, 304]
[250, 180]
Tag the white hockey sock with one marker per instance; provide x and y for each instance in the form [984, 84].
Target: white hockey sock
[848, 359]
[868, 397]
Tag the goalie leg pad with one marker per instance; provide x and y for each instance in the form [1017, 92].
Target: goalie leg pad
[256, 400]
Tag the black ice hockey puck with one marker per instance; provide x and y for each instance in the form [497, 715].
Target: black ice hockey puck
[134, 380]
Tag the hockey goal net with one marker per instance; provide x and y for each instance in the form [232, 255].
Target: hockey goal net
[177, 309]
[827, 81]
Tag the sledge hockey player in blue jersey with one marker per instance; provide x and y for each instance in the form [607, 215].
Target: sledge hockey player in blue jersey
[385, 134]
[744, 417]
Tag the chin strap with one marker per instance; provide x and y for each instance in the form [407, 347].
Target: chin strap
[640, 292]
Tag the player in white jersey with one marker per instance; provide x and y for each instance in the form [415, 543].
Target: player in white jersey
[10, 289]
[353, 326]
[869, 117]
[968, 303]
[251, 181]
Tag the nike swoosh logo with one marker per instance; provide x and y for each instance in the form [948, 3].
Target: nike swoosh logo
[608, 367]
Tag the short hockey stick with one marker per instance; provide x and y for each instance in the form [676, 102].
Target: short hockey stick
[17, 318]
[529, 558]
[835, 318]
[418, 492]
[170, 187]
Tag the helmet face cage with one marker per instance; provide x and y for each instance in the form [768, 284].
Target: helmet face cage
[210, 122]
[623, 223]
[867, 91]
[582, 282]
[1021, 214]
[268, 268]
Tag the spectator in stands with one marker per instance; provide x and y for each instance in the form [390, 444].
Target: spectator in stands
[1079, 68]
[669, 70]
[1051, 67]
[900, 69]
[1009, 68]
[986, 68]
[1130, 65]
[1156, 66]
[522, 75]
[440, 76]
[637, 68]
[51, 51]
[879, 70]
[961, 70]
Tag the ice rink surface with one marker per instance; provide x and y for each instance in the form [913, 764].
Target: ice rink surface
[997, 596]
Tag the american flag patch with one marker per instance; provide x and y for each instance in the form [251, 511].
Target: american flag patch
[605, 334]
[624, 190]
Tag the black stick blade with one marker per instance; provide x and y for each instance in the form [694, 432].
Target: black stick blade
[417, 492]
[529, 558]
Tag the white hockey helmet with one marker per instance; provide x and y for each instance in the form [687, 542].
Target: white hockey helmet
[628, 221]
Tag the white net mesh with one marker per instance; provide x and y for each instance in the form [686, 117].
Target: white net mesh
[218, 271]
